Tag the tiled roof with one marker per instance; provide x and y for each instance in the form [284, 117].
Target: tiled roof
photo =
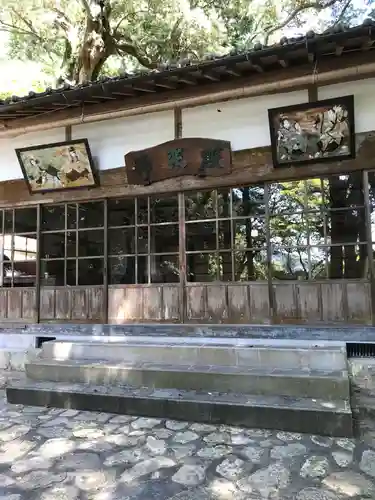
[289, 52]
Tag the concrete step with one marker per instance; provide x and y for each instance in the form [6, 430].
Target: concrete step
[271, 357]
[288, 414]
[314, 384]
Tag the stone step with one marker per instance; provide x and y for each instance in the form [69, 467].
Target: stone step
[297, 383]
[288, 414]
[274, 357]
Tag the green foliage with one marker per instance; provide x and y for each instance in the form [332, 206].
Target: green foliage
[81, 39]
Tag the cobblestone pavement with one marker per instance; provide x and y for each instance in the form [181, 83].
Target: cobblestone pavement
[50, 454]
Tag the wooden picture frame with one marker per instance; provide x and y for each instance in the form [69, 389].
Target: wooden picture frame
[313, 132]
[58, 166]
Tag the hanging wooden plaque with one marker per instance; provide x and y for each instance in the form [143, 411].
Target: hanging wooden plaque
[191, 156]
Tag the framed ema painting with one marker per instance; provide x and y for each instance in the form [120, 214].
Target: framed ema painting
[313, 132]
[58, 166]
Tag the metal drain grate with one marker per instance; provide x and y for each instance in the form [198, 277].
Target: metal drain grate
[360, 350]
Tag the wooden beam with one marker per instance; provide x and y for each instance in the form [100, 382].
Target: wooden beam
[165, 84]
[189, 80]
[210, 76]
[144, 87]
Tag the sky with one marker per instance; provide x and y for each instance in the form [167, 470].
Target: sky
[18, 77]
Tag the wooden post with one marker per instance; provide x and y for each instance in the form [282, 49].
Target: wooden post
[181, 222]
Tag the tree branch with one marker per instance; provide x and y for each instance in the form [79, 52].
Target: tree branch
[86, 6]
[342, 13]
[132, 50]
[309, 5]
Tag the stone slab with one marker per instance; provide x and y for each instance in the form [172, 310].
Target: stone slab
[287, 414]
[313, 358]
[297, 383]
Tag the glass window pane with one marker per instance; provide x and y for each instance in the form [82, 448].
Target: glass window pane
[164, 239]
[202, 267]
[1, 220]
[71, 244]
[249, 233]
[142, 239]
[52, 245]
[90, 272]
[290, 263]
[225, 235]
[142, 207]
[25, 220]
[287, 197]
[201, 236]
[142, 274]
[91, 214]
[164, 209]
[165, 269]
[52, 272]
[121, 270]
[225, 266]
[201, 205]
[223, 203]
[53, 217]
[319, 263]
[289, 230]
[121, 212]
[71, 272]
[346, 226]
[347, 261]
[121, 241]
[8, 221]
[71, 216]
[24, 247]
[90, 243]
[250, 265]
[344, 190]
[248, 200]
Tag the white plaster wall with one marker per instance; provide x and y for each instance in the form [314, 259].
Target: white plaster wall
[364, 101]
[244, 122]
[112, 139]
[9, 166]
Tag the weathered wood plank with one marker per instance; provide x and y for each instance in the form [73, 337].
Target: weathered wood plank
[238, 303]
[96, 303]
[171, 303]
[308, 301]
[196, 302]
[3, 303]
[259, 302]
[47, 303]
[217, 310]
[359, 302]
[285, 301]
[63, 303]
[29, 304]
[80, 303]
[125, 304]
[14, 303]
[333, 302]
[152, 303]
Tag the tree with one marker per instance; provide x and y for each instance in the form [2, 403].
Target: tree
[77, 40]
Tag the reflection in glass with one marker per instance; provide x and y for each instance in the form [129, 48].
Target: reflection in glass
[71, 244]
[71, 272]
[202, 267]
[52, 245]
[8, 221]
[121, 270]
[290, 263]
[142, 207]
[121, 212]
[223, 203]
[25, 220]
[249, 233]
[52, 272]
[225, 266]
[142, 239]
[164, 269]
[248, 200]
[53, 217]
[347, 261]
[164, 239]
[164, 209]
[90, 272]
[71, 216]
[250, 265]
[201, 205]
[91, 214]
[289, 229]
[90, 243]
[121, 241]
[201, 236]
[225, 234]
